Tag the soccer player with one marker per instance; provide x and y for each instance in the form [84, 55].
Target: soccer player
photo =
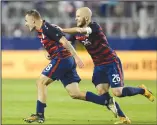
[107, 66]
[62, 67]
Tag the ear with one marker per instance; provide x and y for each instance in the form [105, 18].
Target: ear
[86, 18]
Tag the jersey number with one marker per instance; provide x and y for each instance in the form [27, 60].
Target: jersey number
[115, 78]
[48, 67]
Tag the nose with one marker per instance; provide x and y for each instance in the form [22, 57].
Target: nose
[76, 18]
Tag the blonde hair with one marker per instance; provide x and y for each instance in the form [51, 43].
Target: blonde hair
[33, 13]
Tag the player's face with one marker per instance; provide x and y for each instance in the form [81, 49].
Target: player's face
[80, 19]
[29, 22]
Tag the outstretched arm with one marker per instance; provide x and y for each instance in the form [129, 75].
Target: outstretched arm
[69, 47]
[73, 30]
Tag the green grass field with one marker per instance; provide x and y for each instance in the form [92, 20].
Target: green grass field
[19, 101]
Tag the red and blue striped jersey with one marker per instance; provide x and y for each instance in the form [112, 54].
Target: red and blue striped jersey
[96, 44]
[50, 36]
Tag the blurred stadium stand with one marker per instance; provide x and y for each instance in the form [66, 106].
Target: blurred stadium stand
[130, 27]
[122, 20]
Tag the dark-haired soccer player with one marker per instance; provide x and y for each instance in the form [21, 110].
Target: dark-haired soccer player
[62, 66]
[108, 67]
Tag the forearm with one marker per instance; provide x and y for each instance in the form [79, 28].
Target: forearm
[69, 47]
[70, 30]
[66, 44]
[86, 30]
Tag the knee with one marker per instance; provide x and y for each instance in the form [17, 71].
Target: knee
[102, 88]
[102, 91]
[117, 92]
[41, 83]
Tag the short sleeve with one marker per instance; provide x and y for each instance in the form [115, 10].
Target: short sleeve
[52, 32]
[95, 27]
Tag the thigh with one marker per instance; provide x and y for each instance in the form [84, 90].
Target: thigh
[50, 70]
[119, 64]
[69, 74]
[115, 75]
[74, 91]
[99, 76]
[72, 88]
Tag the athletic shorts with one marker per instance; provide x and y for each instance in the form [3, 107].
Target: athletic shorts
[109, 73]
[63, 70]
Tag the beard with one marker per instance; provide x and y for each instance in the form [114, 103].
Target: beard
[32, 29]
[83, 23]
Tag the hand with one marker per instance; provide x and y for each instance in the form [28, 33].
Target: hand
[79, 62]
[47, 56]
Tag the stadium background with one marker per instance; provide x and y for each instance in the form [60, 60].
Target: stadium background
[131, 29]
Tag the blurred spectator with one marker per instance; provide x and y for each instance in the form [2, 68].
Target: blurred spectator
[17, 32]
[142, 32]
[117, 18]
[65, 8]
[3, 29]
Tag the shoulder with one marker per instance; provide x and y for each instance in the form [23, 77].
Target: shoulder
[95, 26]
[47, 25]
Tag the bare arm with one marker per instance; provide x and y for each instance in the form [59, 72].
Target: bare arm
[69, 47]
[73, 30]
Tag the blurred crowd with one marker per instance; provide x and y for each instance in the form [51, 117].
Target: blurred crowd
[119, 19]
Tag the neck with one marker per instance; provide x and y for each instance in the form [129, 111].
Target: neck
[87, 23]
[39, 24]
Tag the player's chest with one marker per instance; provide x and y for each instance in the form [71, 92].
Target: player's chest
[84, 39]
[43, 39]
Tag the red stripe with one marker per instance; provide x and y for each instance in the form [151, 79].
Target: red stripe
[40, 36]
[65, 53]
[94, 44]
[120, 73]
[54, 68]
[101, 34]
[105, 51]
[106, 62]
[96, 50]
[100, 28]
[44, 41]
[53, 49]
[52, 41]
[40, 30]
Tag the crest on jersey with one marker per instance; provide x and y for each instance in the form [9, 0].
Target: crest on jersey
[86, 42]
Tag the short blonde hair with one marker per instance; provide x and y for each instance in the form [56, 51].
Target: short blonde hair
[33, 13]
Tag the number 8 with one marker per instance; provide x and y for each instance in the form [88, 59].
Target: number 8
[48, 67]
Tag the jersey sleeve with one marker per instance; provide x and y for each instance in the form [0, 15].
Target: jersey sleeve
[95, 27]
[52, 32]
